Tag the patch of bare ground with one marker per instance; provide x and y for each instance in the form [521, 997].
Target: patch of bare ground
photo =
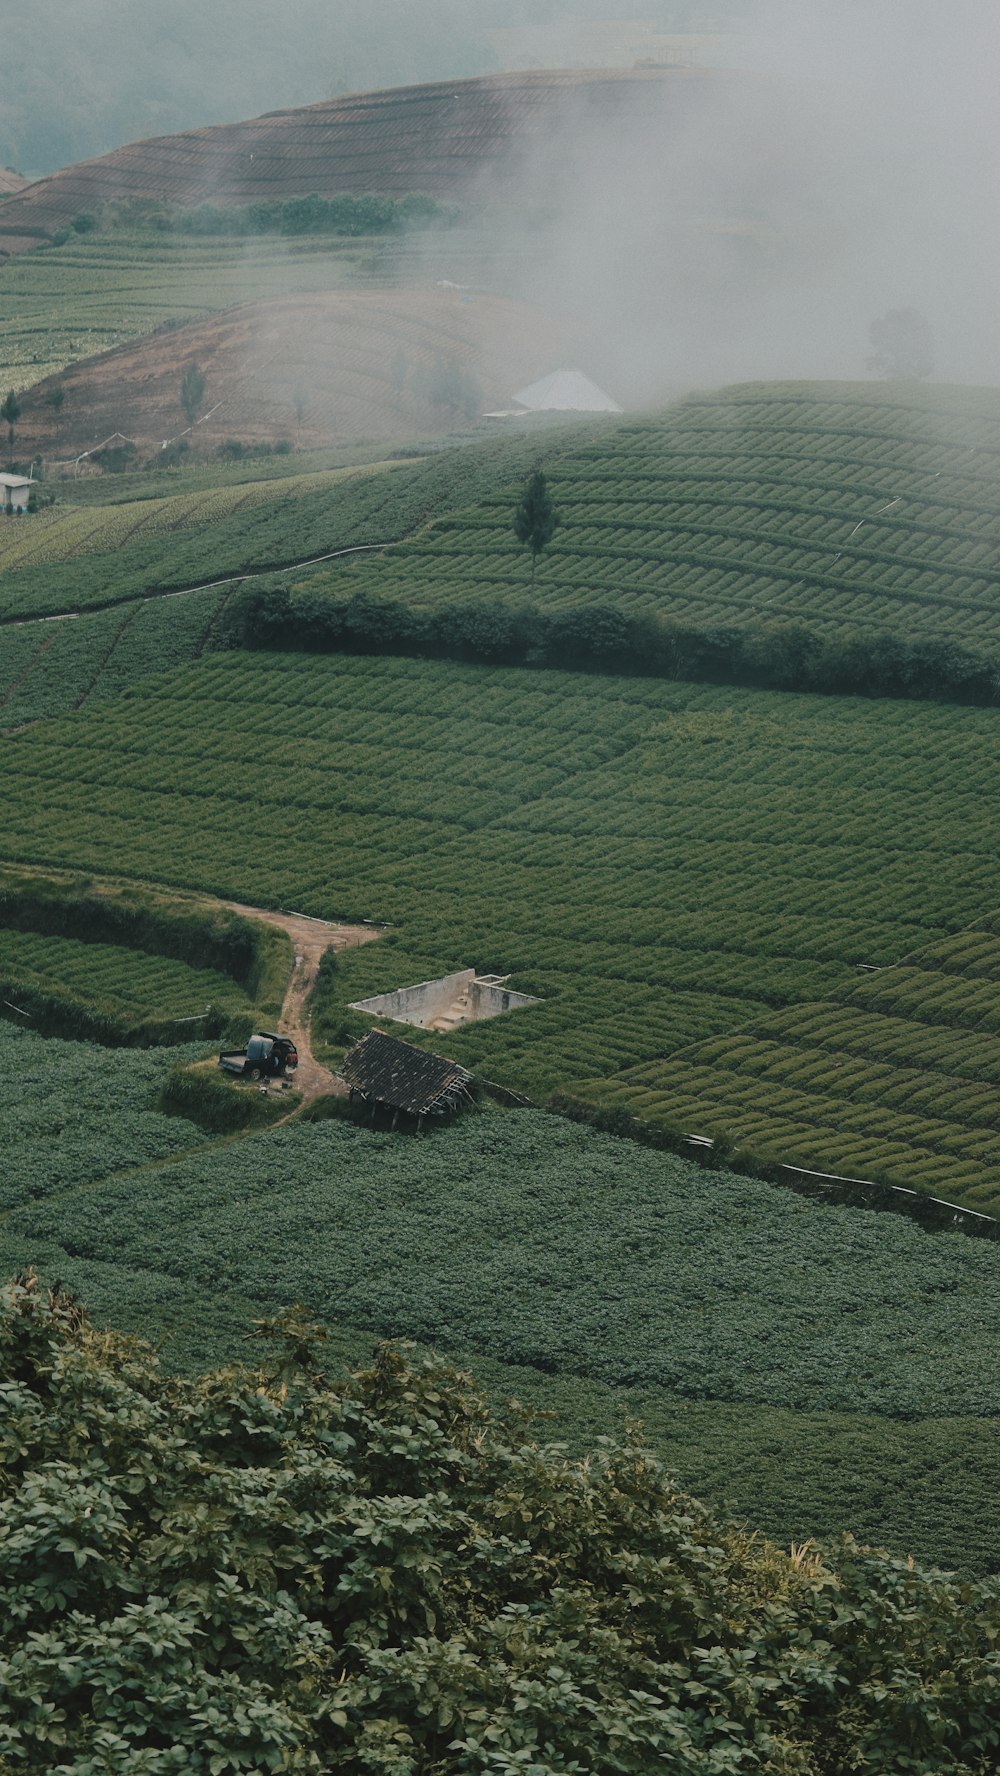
[311, 938]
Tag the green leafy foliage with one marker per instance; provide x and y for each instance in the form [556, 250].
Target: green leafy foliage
[58, 1133]
[553, 1247]
[156, 1253]
[260, 1571]
[218, 1104]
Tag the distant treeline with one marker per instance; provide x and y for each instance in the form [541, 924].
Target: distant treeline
[293, 216]
[601, 638]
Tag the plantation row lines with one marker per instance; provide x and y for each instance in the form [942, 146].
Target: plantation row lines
[658, 863]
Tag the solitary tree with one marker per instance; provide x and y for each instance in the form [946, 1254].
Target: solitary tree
[10, 413]
[192, 392]
[903, 345]
[536, 518]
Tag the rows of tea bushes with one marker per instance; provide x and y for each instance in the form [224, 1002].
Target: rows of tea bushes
[843, 507]
[53, 666]
[122, 965]
[762, 1338]
[127, 987]
[326, 512]
[896, 1078]
[658, 863]
[601, 637]
[97, 291]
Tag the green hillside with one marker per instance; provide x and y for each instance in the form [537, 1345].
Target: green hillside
[810, 1368]
[896, 1077]
[841, 506]
[660, 864]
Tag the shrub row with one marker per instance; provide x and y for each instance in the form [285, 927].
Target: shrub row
[253, 955]
[312, 214]
[770, 656]
[201, 1095]
[55, 1014]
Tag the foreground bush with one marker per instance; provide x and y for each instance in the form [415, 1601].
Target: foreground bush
[262, 1571]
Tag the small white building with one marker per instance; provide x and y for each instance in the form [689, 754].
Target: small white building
[15, 491]
[565, 391]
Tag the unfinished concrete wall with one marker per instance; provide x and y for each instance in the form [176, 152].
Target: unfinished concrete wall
[488, 999]
[421, 1004]
[446, 1004]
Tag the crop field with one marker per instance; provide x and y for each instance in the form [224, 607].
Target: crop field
[99, 291]
[196, 538]
[841, 506]
[77, 1114]
[106, 977]
[897, 1077]
[65, 532]
[759, 1335]
[49, 667]
[660, 864]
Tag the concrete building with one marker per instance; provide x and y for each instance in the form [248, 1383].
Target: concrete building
[15, 491]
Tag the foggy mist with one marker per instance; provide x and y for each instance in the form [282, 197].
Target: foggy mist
[850, 166]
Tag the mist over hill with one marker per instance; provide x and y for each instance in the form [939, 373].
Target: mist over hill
[87, 78]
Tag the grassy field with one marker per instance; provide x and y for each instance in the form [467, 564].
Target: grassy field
[98, 291]
[661, 864]
[82, 559]
[811, 1367]
[843, 506]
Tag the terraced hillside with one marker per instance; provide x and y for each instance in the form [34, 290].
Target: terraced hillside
[445, 139]
[842, 506]
[896, 1078]
[658, 863]
[313, 369]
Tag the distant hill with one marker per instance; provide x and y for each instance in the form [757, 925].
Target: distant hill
[448, 139]
[11, 181]
[331, 367]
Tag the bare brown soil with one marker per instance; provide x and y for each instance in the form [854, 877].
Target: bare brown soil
[311, 938]
[336, 367]
[446, 139]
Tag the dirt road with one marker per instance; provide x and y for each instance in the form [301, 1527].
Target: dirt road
[311, 938]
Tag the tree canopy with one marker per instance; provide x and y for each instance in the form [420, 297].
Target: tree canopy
[535, 519]
[263, 1569]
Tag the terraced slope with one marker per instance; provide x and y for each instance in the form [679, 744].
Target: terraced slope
[843, 506]
[445, 139]
[660, 864]
[896, 1078]
[334, 366]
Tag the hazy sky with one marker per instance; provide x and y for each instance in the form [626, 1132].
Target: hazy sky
[855, 169]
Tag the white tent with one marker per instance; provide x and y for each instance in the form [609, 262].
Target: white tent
[565, 391]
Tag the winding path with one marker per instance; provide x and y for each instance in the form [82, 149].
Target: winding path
[311, 938]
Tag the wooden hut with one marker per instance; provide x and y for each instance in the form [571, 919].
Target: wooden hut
[384, 1072]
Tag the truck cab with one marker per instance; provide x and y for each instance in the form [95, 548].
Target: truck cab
[266, 1056]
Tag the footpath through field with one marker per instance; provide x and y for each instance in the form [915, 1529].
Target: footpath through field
[311, 938]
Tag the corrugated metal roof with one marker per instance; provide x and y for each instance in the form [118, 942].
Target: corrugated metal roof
[404, 1077]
